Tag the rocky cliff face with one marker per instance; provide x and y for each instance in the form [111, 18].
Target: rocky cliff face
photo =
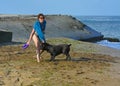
[57, 26]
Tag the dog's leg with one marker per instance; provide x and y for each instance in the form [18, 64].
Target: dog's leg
[52, 58]
[41, 51]
[68, 57]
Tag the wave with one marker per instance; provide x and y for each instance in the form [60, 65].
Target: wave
[107, 43]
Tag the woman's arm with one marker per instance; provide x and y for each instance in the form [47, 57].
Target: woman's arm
[31, 35]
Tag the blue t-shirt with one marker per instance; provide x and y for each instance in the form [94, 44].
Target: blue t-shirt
[39, 28]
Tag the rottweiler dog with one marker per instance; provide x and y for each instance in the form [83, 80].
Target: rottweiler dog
[55, 50]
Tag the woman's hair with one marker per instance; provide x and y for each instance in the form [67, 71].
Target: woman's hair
[40, 15]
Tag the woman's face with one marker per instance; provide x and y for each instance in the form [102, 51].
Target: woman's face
[41, 19]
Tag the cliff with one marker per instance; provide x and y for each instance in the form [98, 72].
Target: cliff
[57, 26]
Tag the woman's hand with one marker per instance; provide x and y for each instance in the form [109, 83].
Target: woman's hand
[28, 42]
[26, 45]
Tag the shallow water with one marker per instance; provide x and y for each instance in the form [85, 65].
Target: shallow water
[109, 26]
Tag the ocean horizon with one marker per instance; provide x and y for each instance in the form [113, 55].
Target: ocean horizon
[109, 26]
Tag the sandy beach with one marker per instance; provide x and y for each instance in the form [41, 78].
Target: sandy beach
[91, 65]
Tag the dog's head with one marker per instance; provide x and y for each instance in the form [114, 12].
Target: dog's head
[69, 45]
[44, 46]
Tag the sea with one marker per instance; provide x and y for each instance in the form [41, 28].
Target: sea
[109, 26]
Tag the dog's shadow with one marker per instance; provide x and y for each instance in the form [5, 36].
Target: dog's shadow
[91, 59]
[72, 59]
[83, 59]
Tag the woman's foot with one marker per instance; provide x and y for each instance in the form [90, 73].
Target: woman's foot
[39, 59]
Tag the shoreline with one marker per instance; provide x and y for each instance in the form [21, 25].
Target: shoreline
[111, 44]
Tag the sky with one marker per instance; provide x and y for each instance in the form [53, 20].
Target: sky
[65, 7]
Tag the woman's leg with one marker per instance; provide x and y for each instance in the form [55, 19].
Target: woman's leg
[37, 44]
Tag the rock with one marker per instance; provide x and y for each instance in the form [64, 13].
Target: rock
[5, 36]
[112, 39]
[69, 27]
[57, 26]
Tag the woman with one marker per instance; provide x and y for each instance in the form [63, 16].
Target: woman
[37, 34]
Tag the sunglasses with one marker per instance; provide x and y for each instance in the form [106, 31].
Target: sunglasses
[41, 18]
